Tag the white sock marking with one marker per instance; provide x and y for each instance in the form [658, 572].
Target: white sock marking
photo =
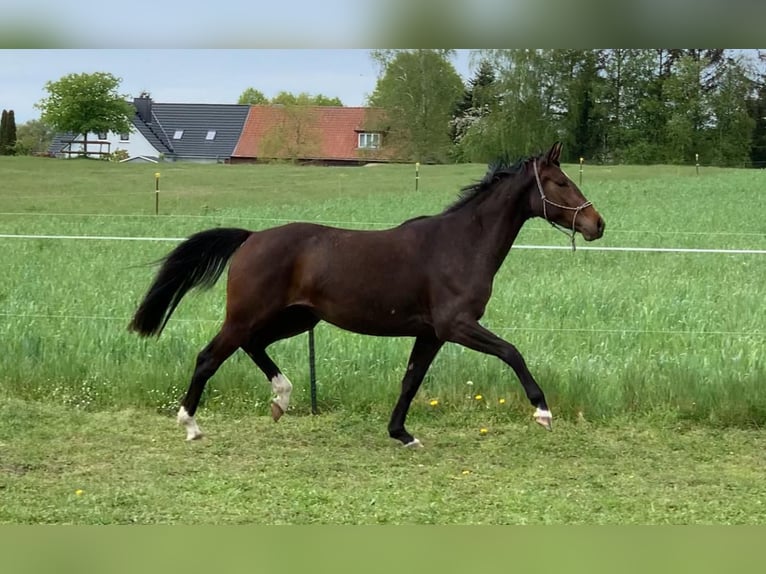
[544, 418]
[282, 387]
[414, 443]
[193, 431]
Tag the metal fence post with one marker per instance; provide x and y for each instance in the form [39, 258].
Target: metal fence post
[312, 373]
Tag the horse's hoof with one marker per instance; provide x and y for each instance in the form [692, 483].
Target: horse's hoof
[414, 443]
[276, 412]
[544, 419]
[193, 431]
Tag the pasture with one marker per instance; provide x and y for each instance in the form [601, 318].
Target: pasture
[652, 362]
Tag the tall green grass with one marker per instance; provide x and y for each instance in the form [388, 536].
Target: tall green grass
[672, 335]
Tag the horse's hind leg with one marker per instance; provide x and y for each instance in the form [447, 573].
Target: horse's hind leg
[280, 384]
[288, 323]
[209, 359]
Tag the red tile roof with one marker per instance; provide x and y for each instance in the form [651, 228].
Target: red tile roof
[308, 133]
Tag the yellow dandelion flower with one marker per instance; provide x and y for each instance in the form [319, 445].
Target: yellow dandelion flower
[483, 431]
[433, 402]
[478, 397]
[501, 401]
[78, 492]
[466, 472]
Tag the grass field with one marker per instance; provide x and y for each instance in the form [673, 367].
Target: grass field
[628, 346]
[67, 466]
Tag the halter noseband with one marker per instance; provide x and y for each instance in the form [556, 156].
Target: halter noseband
[553, 203]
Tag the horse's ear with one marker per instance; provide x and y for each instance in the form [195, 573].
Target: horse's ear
[554, 153]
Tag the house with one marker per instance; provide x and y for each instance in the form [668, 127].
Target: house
[173, 132]
[328, 135]
[99, 145]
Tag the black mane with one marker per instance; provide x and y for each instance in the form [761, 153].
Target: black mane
[497, 169]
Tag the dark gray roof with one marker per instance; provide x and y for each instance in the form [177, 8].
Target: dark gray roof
[153, 134]
[195, 120]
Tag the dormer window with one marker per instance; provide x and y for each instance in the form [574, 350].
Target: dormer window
[369, 140]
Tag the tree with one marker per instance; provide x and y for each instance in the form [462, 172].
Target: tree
[650, 144]
[629, 79]
[479, 99]
[83, 103]
[732, 136]
[585, 133]
[322, 100]
[304, 99]
[713, 63]
[688, 110]
[578, 90]
[8, 133]
[11, 133]
[527, 116]
[4, 132]
[758, 114]
[34, 137]
[418, 90]
[295, 136]
[252, 97]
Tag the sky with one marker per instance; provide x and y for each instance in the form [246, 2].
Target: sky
[197, 75]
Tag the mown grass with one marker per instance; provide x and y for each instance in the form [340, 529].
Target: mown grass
[62, 465]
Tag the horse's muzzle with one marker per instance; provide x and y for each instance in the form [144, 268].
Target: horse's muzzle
[593, 230]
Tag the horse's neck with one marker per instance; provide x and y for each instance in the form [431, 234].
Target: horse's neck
[494, 225]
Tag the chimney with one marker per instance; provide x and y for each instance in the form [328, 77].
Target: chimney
[143, 105]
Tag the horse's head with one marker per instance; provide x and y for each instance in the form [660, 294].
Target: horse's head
[560, 201]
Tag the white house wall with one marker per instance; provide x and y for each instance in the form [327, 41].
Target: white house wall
[137, 145]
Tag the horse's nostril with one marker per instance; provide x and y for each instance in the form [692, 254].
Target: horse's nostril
[600, 225]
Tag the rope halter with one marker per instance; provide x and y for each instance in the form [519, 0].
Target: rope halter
[546, 201]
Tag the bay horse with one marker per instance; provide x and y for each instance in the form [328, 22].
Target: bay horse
[429, 278]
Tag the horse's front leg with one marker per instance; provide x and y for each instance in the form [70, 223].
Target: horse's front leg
[468, 332]
[423, 353]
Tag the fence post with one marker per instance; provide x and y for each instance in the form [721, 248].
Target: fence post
[156, 193]
[417, 174]
[312, 373]
[697, 162]
[581, 160]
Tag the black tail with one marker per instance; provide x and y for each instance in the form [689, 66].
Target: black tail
[198, 261]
